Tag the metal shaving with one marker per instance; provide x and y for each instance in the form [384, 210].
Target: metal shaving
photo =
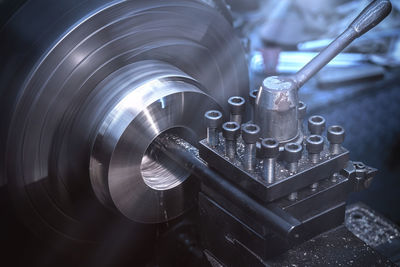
[369, 226]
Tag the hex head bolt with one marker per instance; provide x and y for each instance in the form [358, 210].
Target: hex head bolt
[213, 120]
[270, 151]
[292, 154]
[230, 131]
[252, 101]
[253, 96]
[316, 124]
[314, 146]
[250, 135]
[236, 108]
[301, 113]
[336, 135]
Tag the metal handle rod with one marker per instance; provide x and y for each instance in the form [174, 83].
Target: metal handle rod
[372, 15]
[183, 153]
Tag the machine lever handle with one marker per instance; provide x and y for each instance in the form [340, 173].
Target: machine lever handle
[372, 15]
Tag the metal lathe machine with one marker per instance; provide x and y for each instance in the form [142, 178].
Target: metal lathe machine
[130, 137]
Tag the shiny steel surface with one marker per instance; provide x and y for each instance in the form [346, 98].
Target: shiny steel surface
[53, 105]
[276, 109]
[125, 173]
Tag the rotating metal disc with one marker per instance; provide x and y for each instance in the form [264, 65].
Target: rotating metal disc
[126, 174]
[52, 65]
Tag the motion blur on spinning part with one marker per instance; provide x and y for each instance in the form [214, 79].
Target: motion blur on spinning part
[200, 132]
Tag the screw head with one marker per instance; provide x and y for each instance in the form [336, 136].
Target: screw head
[213, 118]
[302, 110]
[253, 96]
[230, 130]
[250, 133]
[316, 124]
[236, 105]
[314, 144]
[336, 134]
[292, 152]
[270, 148]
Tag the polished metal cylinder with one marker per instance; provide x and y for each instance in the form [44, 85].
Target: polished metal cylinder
[269, 169]
[230, 149]
[301, 113]
[276, 109]
[249, 160]
[252, 100]
[293, 167]
[212, 136]
[335, 148]
[314, 158]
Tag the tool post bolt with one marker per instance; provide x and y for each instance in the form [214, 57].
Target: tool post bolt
[270, 151]
[316, 124]
[237, 106]
[231, 132]
[314, 146]
[336, 135]
[250, 135]
[213, 120]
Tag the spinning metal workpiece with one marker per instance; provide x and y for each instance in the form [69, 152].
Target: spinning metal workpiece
[88, 85]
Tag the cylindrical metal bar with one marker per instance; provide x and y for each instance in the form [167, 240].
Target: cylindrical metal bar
[368, 18]
[285, 226]
[269, 169]
[212, 137]
[335, 148]
[293, 166]
[250, 135]
[230, 149]
[230, 131]
[249, 159]
[270, 151]
[314, 157]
